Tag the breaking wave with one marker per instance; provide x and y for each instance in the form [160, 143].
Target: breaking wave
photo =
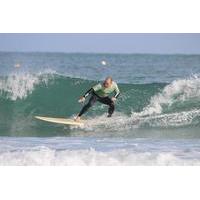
[140, 106]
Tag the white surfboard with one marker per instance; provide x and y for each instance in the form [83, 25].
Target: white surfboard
[61, 120]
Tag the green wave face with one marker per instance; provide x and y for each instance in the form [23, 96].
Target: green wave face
[140, 106]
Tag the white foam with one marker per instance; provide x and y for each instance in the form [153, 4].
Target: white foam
[98, 151]
[171, 120]
[177, 91]
[20, 85]
[120, 124]
[47, 156]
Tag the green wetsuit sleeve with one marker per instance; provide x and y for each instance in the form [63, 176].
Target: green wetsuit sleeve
[97, 87]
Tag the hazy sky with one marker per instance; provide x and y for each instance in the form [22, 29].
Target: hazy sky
[111, 43]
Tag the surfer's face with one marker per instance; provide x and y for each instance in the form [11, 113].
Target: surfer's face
[107, 83]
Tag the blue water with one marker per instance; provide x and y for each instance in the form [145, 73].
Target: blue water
[156, 121]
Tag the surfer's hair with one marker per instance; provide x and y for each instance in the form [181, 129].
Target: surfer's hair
[109, 78]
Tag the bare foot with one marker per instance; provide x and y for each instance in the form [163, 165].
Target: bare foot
[76, 119]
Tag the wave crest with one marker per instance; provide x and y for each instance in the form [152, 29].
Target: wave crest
[20, 85]
[178, 91]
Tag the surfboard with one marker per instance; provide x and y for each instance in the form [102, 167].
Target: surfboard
[61, 120]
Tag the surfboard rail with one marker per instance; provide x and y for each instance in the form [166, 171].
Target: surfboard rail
[64, 121]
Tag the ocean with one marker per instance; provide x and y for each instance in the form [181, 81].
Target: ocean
[156, 122]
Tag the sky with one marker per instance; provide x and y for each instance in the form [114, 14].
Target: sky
[101, 43]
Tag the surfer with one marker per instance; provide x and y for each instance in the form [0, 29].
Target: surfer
[100, 93]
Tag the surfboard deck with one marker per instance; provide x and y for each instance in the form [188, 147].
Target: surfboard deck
[61, 120]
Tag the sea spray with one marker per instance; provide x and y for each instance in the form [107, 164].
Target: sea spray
[20, 85]
[179, 91]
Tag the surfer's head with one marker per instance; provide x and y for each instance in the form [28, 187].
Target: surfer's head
[108, 82]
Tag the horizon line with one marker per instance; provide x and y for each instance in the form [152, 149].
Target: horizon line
[117, 53]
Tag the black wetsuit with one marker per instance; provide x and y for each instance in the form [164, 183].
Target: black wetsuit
[94, 98]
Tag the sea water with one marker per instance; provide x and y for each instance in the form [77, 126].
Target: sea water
[157, 116]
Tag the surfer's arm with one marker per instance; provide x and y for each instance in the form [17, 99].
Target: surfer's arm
[88, 92]
[117, 92]
[82, 98]
[91, 90]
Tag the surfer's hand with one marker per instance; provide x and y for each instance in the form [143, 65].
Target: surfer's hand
[113, 99]
[81, 100]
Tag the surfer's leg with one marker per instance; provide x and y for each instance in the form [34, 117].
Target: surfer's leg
[90, 103]
[110, 103]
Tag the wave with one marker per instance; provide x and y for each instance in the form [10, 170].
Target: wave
[92, 157]
[97, 151]
[180, 93]
[19, 86]
[178, 104]
[155, 105]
